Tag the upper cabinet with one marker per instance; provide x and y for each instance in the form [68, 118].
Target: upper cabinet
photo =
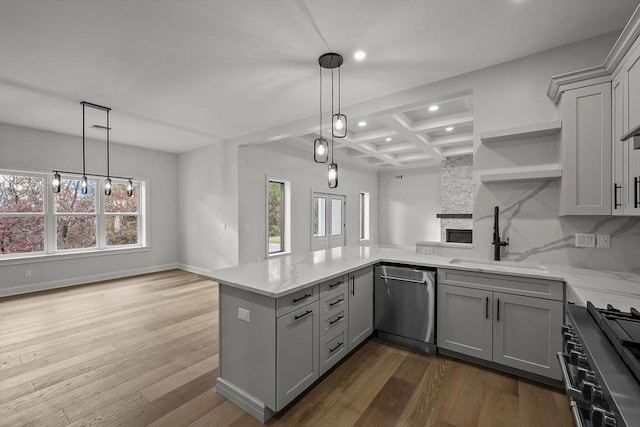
[599, 105]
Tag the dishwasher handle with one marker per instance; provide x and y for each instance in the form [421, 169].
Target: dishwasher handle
[402, 279]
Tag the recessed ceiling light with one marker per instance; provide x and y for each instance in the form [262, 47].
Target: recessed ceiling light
[388, 139]
[433, 108]
[449, 129]
[362, 124]
[359, 55]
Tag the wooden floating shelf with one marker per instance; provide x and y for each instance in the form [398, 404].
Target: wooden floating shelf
[523, 132]
[514, 175]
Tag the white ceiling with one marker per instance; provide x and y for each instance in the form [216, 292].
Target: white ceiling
[183, 74]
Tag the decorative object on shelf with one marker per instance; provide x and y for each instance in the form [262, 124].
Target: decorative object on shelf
[57, 180]
[321, 146]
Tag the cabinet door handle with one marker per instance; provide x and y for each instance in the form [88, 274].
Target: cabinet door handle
[353, 284]
[331, 350]
[636, 190]
[302, 297]
[498, 311]
[331, 322]
[336, 284]
[331, 304]
[616, 187]
[486, 308]
[308, 312]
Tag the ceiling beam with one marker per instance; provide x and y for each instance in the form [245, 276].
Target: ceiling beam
[402, 128]
[461, 138]
[458, 151]
[441, 122]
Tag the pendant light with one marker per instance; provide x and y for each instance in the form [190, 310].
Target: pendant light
[56, 182]
[339, 120]
[320, 145]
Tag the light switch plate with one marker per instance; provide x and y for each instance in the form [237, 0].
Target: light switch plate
[603, 241]
[585, 240]
[244, 314]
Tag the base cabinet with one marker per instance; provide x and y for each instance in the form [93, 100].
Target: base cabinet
[517, 331]
[360, 306]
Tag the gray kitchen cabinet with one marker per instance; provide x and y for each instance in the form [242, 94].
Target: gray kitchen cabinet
[526, 333]
[464, 324]
[586, 149]
[360, 306]
[510, 321]
[297, 364]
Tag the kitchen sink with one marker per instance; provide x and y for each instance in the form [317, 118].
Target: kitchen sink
[499, 265]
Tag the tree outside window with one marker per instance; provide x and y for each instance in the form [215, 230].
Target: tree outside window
[276, 216]
[22, 219]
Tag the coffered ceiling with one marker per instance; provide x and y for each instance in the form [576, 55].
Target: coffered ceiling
[183, 74]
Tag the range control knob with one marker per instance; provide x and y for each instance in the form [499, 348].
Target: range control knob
[577, 358]
[602, 418]
[591, 391]
[584, 374]
[574, 345]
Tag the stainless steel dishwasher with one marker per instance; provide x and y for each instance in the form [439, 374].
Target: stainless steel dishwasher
[404, 306]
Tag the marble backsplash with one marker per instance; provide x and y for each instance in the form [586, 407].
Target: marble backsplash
[529, 217]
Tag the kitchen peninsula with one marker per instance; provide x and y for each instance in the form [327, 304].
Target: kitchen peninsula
[276, 332]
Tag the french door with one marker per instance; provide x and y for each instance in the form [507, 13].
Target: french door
[328, 221]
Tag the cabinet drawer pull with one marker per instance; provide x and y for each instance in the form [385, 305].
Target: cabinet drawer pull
[336, 284]
[331, 304]
[616, 187]
[302, 297]
[353, 283]
[331, 350]
[498, 308]
[486, 308]
[636, 191]
[303, 315]
[331, 322]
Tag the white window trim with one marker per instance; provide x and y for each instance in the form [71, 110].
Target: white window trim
[366, 215]
[287, 216]
[50, 252]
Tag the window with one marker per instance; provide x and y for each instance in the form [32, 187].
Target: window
[22, 214]
[364, 216]
[319, 217]
[35, 220]
[277, 216]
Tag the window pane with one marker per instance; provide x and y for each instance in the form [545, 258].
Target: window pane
[75, 232]
[122, 230]
[21, 234]
[336, 217]
[319, 217]
[20, 193]
[118, 201]
[276, 217]
[71, 199]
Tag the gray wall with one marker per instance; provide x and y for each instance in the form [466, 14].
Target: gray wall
[41, 151]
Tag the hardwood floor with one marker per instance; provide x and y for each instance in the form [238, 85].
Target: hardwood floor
[144, 351]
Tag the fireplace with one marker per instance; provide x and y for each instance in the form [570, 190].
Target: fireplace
[455, 235]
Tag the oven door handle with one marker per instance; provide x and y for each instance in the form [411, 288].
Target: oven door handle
[577, 418]
[572, 392]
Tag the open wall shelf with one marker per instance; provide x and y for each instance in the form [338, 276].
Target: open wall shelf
[543, 172]
[537, 130]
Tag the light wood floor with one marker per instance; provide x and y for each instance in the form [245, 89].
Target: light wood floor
[144, 351]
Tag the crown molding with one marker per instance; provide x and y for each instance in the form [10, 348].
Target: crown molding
[603, 72]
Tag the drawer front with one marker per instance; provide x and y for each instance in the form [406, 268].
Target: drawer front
[539, 288]
[333, 285]
[333, 320]
[288, 303]
[333, 302]
[333, 347]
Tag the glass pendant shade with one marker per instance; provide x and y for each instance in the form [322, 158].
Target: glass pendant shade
[333, 175]
[56, 182]
[84, 185]
[129, 188]
[321, 150]
[339, 128]
[107, 187]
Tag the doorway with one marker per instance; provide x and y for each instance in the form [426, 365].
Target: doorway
[328, 221]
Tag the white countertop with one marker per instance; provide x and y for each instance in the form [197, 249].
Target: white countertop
[285, 274]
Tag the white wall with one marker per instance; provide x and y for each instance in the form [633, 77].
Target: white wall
[407, 207]
[208, 213]
[280, 161]
[35, 150]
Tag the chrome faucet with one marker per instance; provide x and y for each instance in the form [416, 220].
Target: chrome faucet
[497, 244]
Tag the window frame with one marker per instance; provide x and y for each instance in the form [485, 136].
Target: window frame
[285, 238]
[364, 229]
[50, 215]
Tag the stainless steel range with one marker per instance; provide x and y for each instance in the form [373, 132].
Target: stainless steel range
[601, 365]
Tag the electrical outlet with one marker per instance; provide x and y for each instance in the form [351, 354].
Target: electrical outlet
[244, 314]
[27, 273]
[603, 241]
[585, 240]
[425, 250]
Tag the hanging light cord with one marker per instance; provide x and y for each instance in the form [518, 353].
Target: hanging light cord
[339, 89]
[332, 114]
[320, 102]
[108, 143]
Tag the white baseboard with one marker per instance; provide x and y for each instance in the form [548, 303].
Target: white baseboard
[74, 281]
[193, 269]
